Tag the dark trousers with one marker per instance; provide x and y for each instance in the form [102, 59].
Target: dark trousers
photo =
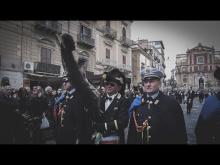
[189, 107]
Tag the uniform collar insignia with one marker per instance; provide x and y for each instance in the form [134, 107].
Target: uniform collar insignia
[156, 102]
[119, 96]
[120, 79]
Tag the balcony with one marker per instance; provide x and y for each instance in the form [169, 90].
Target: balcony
[85, 40]
[126, 67]
[184, 63]
[49, 26]
[109, 62]
[184, 71]
[44, 68]
[109, 32]
[126, 42]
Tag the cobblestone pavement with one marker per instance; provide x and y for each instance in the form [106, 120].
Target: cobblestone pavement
[191, 119]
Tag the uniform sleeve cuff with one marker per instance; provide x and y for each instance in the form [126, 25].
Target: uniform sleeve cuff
[116, 124]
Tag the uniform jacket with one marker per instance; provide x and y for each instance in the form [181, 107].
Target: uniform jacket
[165, 118]
[115, 116]
[70, 131]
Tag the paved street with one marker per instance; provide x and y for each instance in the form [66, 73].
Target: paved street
[191, 119]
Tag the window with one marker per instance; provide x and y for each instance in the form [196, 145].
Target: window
[201, 68]
[184, 80]
[124, 59]
[46, 55]
[184, 69]
[107, 53]
[108, 24]
[205, 68]
[195, 68]
[85, 32]
[200, 60]
[157, 43]
[217, 58]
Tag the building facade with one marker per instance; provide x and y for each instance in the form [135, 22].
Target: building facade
[30, 54]
[113, 47]
[196, 67]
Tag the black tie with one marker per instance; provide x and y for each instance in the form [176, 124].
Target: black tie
[108, 98]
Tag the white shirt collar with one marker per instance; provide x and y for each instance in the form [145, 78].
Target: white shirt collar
[112, 96]
[154, 95]
[72, 91]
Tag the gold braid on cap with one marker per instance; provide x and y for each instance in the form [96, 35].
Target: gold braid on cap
[120, 79]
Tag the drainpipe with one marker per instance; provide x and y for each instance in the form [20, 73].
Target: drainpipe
[22, 71]
[68, 27]
[21, 43]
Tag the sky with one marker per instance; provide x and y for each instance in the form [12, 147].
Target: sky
[177, 36]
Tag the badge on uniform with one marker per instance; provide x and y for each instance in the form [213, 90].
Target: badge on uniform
[119, 96]
[150, 102]
[115, 108]
[156, 102]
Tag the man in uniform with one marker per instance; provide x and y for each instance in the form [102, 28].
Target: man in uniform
[158, 119]
[112, 118]
[69, 115]
[8, 106]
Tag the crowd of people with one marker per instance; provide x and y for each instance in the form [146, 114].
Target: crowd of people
[79, 113]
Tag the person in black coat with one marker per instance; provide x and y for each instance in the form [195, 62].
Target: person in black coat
[208, 124]
[8, 106]
[158, 119]
[76, 124]
[112, 118]
[38, 108]
[21, 133]
[189, 100]
[69, 116]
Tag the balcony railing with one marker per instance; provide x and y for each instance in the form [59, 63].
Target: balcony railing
[49, 26]
[126, 67]
[184, 71]
[126, 42]
[85, 40]
[45, 68]
[109, 62]
[109, 32]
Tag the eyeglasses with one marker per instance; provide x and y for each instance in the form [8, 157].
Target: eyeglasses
[112, 84]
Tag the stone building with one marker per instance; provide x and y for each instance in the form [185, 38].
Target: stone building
[196, 67]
